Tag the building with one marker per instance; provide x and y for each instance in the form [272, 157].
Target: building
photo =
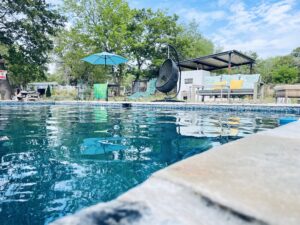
[189, 82]
[195, 70]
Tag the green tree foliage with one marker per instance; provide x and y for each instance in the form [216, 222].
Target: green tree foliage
[69, 51]
[284, 70]
[26, 28]
[296, 52]
[191, 43]
[97, 26]
[296, 57]
[148, 32]
[284, 74]
[138, 34]
[280, 69]
[265, 69]
[48, 92]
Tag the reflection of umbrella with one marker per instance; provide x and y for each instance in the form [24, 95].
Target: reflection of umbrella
[98, 146]
[105, 58]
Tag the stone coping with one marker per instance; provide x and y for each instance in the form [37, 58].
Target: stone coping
[280, 108]
[254, 180]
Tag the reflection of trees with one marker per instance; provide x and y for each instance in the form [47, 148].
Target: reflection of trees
[25, 129]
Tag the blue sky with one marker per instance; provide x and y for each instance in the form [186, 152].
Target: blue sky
[268, 27]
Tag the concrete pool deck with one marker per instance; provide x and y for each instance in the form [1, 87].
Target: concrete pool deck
[254, 180]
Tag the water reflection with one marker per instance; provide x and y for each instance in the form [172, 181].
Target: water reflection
[56, 160]
[100, 146]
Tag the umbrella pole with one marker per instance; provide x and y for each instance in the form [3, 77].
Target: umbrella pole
[106, 75]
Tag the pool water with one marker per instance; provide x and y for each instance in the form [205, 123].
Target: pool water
[56, 160]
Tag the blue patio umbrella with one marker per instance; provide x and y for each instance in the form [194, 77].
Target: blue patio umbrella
[105, 58]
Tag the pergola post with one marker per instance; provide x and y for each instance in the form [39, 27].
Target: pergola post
[229, 64]
[251, 68]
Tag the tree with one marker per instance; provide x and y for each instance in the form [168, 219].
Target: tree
[191, 43]
[296, 52]
[280, 69]
[137, 34]
[26, 28]
[284, 74]
[97, 26]
[70, 48]
[284, 70]
[265, 69]
[149, 31]
[48, 92]
[296, 57]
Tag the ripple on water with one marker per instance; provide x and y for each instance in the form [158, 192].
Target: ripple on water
[44, 174]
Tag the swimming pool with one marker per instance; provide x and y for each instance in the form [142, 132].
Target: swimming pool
[57, 159]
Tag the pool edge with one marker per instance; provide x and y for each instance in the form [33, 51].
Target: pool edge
[245, 107]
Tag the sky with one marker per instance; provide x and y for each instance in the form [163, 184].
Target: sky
[268, 27]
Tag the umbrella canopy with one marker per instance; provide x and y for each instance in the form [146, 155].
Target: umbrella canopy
[105, 58]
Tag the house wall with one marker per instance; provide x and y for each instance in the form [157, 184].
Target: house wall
[189, 81]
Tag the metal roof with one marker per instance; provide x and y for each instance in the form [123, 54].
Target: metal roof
[218, 61]
[43, 83]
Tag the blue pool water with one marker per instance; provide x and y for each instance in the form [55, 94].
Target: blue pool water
[56, 160]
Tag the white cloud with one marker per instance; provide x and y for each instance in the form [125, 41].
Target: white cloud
[267, 28]
[54, 2]
[222, 3]
[203, 18]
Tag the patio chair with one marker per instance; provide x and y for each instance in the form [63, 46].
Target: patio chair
[149, 91]
[213, 86]
[32, 96]
[246, 85]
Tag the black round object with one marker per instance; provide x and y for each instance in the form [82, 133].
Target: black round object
[168, 76]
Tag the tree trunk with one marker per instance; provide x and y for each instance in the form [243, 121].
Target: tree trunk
[139, 64]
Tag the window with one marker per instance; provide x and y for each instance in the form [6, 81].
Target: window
[188, 81]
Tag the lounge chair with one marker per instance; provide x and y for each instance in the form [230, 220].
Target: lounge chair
[237, 85]
[250, 86]
[213, 87]
[150, 91]
[27, 96]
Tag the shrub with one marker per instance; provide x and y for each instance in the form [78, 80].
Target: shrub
[48, 92]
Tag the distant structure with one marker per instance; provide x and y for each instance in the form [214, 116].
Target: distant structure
[195, 71]
[41, 87]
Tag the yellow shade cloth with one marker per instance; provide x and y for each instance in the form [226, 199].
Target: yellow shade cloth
[236, 84]
[219, 85]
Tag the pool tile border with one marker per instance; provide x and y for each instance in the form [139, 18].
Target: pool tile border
[291, 109]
